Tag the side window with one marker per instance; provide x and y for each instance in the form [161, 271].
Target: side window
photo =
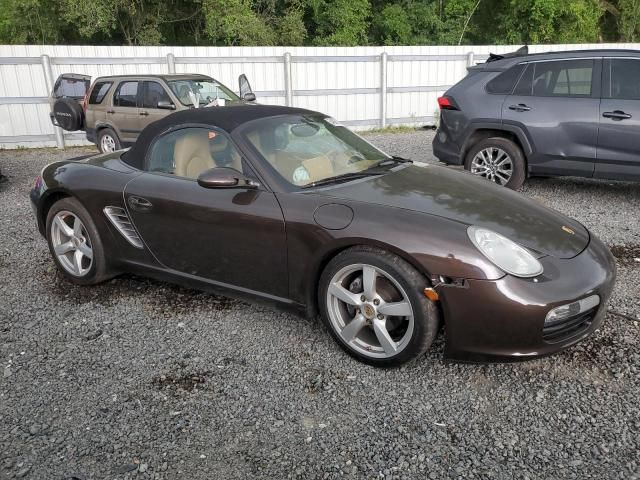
[190, 151]
[525, 84]
[99, 91]
[503, 84]
[126, 95]
[622, 79]
[566, 78]
[154, 93]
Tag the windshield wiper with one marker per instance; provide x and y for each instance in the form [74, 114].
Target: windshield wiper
[392, 160]
[345, 177]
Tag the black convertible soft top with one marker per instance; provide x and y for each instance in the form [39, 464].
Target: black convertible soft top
[227, 118]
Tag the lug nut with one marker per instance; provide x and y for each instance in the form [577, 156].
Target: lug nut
[376, 302]
[380, 316]
[362, 298]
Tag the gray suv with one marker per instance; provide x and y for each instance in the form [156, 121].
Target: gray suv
[550, 114]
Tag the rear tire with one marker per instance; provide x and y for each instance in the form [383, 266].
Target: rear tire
[108, 141]
[395, 323]
[75, 244]
[499, 160]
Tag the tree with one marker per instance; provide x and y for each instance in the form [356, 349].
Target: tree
[31, 21]
[341, 22]
[233, 22]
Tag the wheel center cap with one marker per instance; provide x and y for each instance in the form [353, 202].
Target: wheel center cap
[369, 311]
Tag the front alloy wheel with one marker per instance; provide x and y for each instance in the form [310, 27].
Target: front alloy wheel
[370, 311]
[373, 305]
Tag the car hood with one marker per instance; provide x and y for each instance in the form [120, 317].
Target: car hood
[471, 200]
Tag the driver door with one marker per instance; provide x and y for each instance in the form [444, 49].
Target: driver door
[230, 236]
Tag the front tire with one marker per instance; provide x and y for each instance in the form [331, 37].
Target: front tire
[75, 244]
[372, 303]
[108, 141]
[498, 160]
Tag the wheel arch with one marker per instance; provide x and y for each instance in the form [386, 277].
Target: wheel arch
[46, 202]
[510, 132]
[318, 266]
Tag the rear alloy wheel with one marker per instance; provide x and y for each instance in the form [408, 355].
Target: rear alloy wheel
[75, 243]
[108, 141]
[373, 304]
[498, 160]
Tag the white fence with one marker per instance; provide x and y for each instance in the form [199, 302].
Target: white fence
[364, 87]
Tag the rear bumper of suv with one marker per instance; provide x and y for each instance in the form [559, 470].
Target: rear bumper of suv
[446, 150]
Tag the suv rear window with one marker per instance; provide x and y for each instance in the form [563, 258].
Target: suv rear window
[99, 91]
[565, 78]
[503, 84]
[70, 87]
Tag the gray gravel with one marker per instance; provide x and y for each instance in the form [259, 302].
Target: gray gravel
[138, 379]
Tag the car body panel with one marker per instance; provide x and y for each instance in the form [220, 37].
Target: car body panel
[217, 234]
[469, 200]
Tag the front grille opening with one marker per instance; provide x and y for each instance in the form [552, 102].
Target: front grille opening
[568, 328]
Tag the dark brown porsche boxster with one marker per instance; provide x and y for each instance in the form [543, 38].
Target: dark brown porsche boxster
[289, 206]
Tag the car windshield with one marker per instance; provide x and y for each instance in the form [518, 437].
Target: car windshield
[201, 92]
[310, 149]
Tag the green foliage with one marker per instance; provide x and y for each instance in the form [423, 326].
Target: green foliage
[317, 22]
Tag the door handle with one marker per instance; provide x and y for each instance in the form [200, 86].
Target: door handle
[144, 113]
[138, 203]
[616, 115]
[111, 111]
[521, 107]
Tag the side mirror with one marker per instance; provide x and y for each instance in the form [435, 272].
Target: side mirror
[245, 88]
[166, 105]
[223, 177]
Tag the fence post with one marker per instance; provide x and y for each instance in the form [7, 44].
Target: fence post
[171, 63]
[470, 60]
[383, 89]
[288, 90]
[48, 80]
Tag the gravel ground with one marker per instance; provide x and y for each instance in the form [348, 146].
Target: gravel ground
[138, 379]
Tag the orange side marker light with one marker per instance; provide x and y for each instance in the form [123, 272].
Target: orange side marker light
[431, 294]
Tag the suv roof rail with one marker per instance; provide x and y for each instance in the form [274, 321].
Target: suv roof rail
[521, 52]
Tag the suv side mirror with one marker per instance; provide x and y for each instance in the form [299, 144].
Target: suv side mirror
[246, 93]
[223, 177]
[166, 105]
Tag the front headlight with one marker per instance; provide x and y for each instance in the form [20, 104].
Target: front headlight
[504, 253]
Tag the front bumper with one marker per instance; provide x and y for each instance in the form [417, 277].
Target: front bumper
[503, 320]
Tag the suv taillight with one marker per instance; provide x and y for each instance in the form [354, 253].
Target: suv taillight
[447, 103]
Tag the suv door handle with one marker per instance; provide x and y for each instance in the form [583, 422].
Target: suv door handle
[144, 113]
[521, 107]
[616, 115]
[111, 111]
[138, 203]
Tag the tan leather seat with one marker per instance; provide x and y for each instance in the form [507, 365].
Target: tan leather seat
[192, 155]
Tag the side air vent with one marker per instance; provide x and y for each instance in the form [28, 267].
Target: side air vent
[118, 216]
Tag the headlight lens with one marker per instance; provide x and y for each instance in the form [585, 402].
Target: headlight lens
[504, 253]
